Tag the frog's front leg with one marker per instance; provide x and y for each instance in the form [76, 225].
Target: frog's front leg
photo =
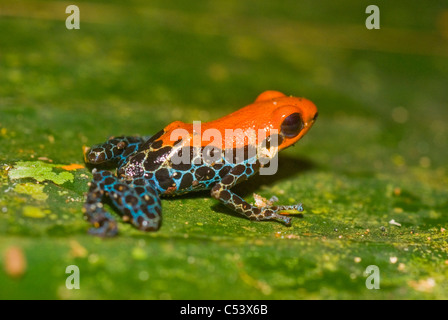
[137, 202]
[113, 150]
[222, 192]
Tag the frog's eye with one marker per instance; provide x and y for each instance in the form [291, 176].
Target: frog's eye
[292, 125]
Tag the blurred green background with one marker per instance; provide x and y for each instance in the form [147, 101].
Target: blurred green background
[377, 153]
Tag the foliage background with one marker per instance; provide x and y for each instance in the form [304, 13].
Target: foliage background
[377, 152]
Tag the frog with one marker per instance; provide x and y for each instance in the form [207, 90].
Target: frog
[140, 170]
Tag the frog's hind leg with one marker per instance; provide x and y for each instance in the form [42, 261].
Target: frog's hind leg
[137, 202]
[116, 149]
[104, 224]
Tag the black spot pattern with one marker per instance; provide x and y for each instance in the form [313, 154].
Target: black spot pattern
[156, 144]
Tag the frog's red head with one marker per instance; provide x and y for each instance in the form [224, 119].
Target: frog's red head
[292, 117]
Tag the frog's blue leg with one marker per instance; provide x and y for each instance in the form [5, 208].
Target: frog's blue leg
[221, 191]
[137, 202]
[104, 224]
[116, 149]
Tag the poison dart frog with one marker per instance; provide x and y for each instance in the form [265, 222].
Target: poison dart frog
[181, 159]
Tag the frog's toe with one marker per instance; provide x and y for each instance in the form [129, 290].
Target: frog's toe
[273, 214]
[148, 225]
[284, 211]
[147, 215]
[138, 203]
[279, 213]
[107, 229]
[104, 225]
[282, 218]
